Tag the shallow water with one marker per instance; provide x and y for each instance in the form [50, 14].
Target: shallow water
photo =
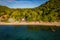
[28, 33]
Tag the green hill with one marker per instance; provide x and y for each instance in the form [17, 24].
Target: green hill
[47, 12]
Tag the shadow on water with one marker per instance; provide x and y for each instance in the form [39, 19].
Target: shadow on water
[45, 28]
[29, 32]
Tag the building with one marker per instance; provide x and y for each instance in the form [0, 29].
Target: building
[3, 18]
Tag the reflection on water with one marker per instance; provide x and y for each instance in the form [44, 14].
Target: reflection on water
[29, 33]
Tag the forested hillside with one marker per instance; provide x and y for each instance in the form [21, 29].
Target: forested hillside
[47, 12]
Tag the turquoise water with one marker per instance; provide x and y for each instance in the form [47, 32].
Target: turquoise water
[25, 33]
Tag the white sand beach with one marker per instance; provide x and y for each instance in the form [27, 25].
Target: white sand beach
[32, 23]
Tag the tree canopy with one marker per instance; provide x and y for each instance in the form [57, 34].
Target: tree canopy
[47, 12]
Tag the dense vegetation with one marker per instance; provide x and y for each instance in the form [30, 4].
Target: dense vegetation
[48, 12]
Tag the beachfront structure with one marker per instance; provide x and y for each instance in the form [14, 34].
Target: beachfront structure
[23, 19]
[3, 18]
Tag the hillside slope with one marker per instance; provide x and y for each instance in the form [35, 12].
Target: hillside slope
[48, 12]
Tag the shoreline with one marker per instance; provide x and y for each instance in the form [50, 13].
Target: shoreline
[32, 23]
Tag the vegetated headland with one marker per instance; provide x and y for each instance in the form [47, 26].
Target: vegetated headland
[46, 14]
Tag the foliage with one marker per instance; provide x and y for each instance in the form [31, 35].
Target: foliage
[48, 12]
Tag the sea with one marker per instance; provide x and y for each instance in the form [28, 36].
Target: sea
[29, 32]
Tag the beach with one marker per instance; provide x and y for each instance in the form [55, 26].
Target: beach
[32, 23]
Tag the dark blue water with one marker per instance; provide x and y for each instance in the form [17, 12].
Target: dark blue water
[22, 33]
